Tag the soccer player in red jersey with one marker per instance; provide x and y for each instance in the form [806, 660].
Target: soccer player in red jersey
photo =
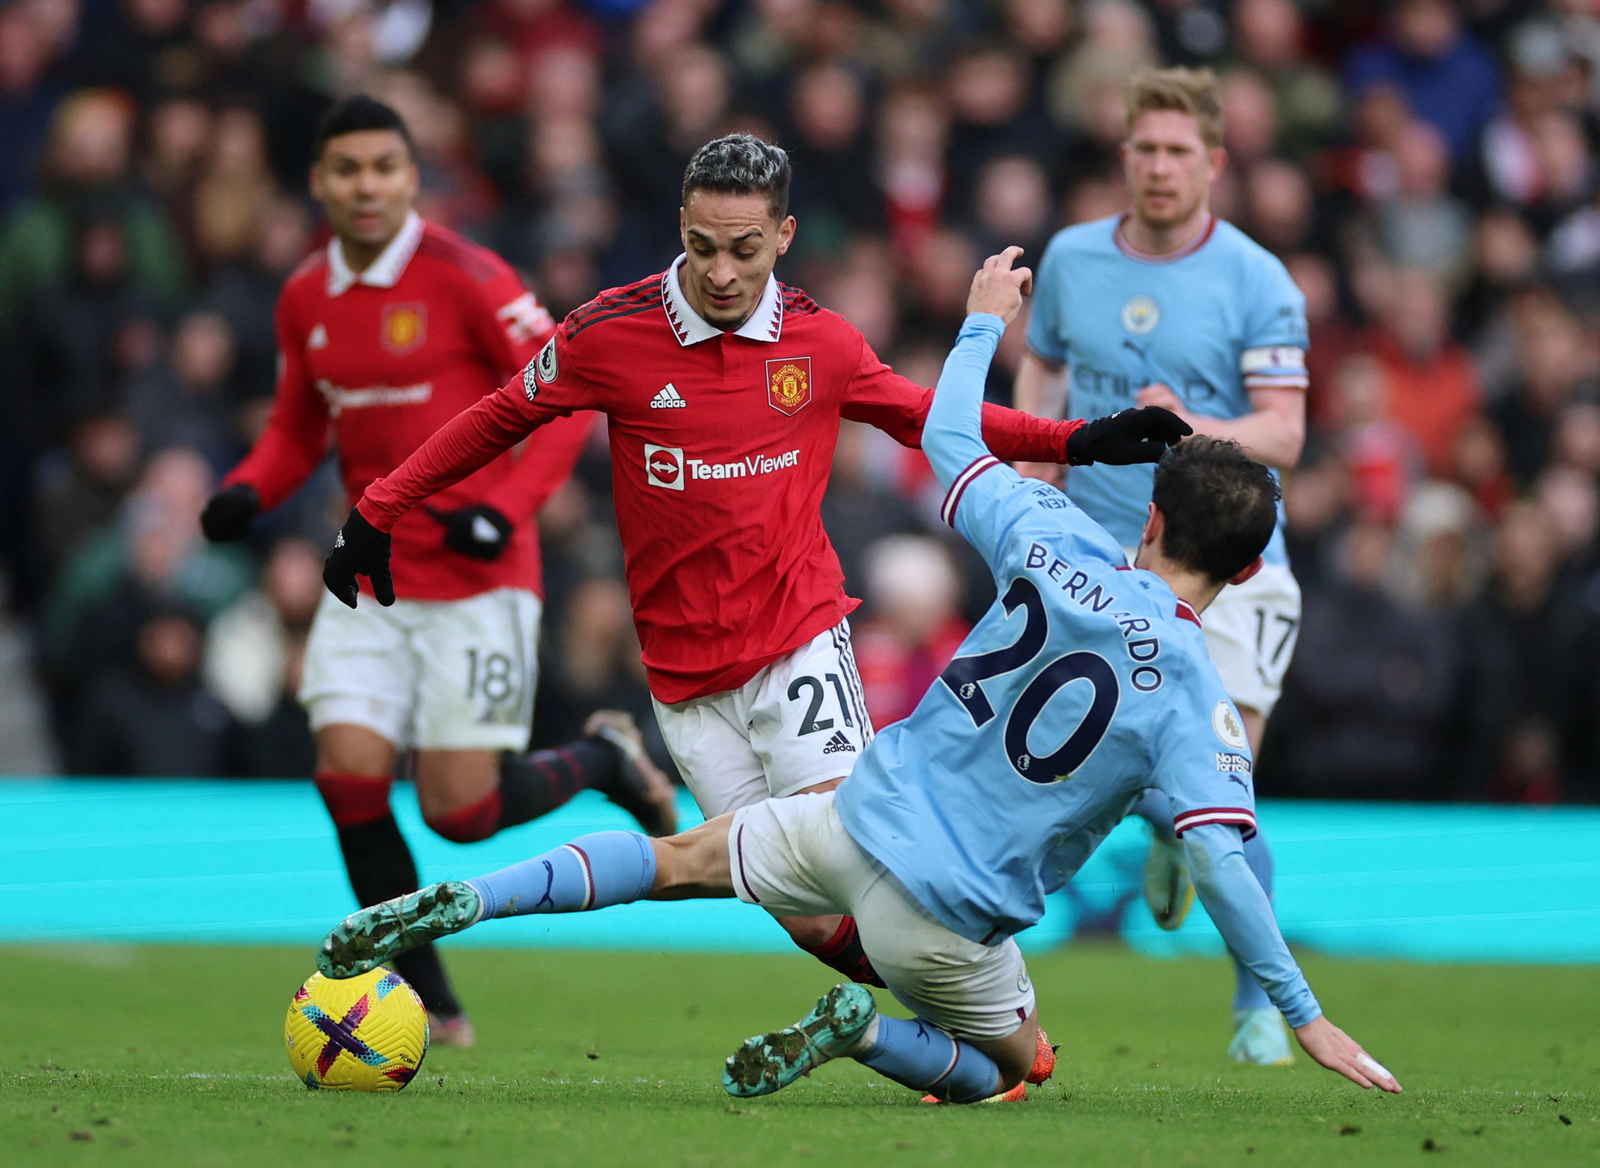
[383, 337]
[724, 390]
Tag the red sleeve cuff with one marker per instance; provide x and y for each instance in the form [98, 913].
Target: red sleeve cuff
[1240, 817]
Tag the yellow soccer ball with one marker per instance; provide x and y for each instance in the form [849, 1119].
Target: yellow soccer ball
[367, 1033]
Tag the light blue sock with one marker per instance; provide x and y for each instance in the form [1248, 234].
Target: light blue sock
[593, 871]
[1247, 995]
[919, 1055]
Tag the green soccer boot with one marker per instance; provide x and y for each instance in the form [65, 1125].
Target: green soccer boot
[1168, 890]
[374, 936]
[770, 1062]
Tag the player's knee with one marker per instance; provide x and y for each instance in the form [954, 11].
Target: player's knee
[810, 933]
[469, 824]
[693, 863]
[354, 799]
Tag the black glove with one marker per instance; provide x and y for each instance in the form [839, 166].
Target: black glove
[360, 550]
[228, 513]
[1141, 435]
[479, 531]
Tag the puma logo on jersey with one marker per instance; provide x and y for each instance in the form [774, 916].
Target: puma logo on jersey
[668, 399]
[838, 744]
[318, 338]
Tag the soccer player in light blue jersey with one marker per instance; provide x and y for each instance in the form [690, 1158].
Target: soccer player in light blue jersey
[1086, 684]
[1170, 306]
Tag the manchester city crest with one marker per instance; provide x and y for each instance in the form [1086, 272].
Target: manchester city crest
[1140, 315]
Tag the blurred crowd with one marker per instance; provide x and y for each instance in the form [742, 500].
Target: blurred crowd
[1426, 169]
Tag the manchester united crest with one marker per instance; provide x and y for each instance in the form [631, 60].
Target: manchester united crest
[789, 384]
[405, 327]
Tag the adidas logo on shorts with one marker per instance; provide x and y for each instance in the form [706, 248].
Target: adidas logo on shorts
[838, 744]
[668, 399]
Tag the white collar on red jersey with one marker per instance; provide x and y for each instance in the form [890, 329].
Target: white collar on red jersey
[765, 323]
[383, 272]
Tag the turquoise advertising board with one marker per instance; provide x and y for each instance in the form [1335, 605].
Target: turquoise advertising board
[136, 861]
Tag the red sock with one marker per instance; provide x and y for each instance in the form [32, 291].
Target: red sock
[354, 799]
[844, 952]
[474, 822]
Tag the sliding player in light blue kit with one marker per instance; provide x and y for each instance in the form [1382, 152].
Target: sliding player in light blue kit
[1086, 684]
[1169, 306]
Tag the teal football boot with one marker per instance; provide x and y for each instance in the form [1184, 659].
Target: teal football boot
[374, 936]
[770, 1062]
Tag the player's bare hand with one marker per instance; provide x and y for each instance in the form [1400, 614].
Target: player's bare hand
[998, 288]
[1046, 472]
[1337, 1051]
[1161, 395]
[360, 550]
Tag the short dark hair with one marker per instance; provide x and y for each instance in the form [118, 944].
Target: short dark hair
[353, 114]
[740, 164]
[1220, 506]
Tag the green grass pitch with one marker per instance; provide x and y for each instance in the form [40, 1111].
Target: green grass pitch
[173, 1056]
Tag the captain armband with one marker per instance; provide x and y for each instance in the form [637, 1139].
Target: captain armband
[1274, 367]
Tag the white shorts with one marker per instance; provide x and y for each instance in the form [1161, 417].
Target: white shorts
[433, 674]
[1251, 629]
[793, 857]
[800, 721]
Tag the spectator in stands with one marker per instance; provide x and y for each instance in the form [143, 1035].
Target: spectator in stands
[1512, 697]
[154, 556]
[254, 654]
[1448, 78]
[153, 717]
[191, 400]
[1433, 386]
[1366, 700]
[914, 597]
[86, 163]
[78, 498]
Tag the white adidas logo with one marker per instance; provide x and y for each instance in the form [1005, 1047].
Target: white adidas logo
[318, 338]
[668, 399]
[838, 744]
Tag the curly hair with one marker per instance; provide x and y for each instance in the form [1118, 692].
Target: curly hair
[740, 164]
[1220, 506]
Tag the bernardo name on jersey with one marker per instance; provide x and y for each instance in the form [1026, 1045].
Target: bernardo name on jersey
[1086, 683]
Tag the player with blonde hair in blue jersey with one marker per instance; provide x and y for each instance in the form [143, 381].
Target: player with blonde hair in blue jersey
[1085, 685]
[1170, 306]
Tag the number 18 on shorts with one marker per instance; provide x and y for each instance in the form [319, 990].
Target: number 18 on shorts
[437, 675]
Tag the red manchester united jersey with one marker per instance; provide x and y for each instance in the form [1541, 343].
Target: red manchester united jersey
[377, 361]
[721, 445]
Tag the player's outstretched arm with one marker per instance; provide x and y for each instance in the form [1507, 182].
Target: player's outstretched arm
[955, 432]
[468, 441]
[1243, 915]
[289, 449]
[952, 437]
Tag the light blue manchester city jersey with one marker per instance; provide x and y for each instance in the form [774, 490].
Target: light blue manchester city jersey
[1085, 683]
[1201, 323]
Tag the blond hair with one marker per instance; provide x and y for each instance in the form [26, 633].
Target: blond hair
[1189, 91]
